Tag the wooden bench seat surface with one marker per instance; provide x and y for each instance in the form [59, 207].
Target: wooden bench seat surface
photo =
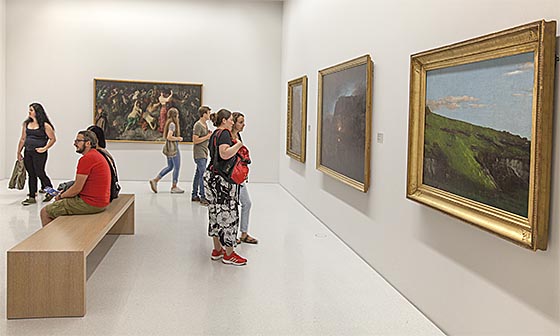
[76, 233]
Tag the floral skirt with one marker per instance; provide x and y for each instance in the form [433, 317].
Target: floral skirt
[223, 210]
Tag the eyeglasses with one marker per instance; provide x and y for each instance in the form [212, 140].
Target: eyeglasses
[79, 140]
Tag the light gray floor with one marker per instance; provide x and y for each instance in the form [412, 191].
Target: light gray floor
[300, 278]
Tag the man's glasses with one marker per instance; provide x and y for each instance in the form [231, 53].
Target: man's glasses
[78, 140]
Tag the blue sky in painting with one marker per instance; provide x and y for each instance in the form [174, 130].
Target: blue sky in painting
[495, 93]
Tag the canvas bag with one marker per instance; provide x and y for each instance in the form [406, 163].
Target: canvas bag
[170, 148]
[236, 169]
[17, 180]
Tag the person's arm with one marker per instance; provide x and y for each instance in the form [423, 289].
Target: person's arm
[21, 143]
[227, 151]
[170, 136]
[52, 139]
[76, 188]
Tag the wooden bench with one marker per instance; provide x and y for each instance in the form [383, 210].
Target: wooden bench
[47, 271]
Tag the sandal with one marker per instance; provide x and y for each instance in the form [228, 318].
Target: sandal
[249, 240]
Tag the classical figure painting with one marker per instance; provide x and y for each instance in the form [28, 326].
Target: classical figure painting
[132, 111]
[480, 131]
[344, 122]
[297, 118]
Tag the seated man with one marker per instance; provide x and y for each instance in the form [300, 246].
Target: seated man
[91, 190]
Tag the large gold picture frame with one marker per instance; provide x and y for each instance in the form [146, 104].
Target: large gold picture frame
[135, 111]
[480, 131]
[344, 122]
[296, 133]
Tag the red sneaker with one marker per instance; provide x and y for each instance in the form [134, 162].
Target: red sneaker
[217, 255]
[234, 259]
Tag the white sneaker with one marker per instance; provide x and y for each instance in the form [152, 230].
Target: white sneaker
[153, 185]
[177, 190]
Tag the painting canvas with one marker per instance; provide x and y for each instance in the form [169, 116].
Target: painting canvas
[477, 140]
[297, 118]
[344, 130]
[480, 132]
[136, 110]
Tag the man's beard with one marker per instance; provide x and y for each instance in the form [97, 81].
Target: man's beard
[79, 150]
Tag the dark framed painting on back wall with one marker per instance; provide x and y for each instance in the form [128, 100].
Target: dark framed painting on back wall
[136, 111]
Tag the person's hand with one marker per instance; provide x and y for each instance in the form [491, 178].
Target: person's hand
[19, 156]
[58, 197]
[40, 149]
[181, 139]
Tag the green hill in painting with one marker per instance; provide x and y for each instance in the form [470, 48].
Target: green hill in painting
[476, 162]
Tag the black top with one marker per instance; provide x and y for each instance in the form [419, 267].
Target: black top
[35, 138]
[224, 138]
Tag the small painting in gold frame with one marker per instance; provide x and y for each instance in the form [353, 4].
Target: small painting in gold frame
[297, 118]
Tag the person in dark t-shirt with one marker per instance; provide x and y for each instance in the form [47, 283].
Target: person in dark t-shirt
[37, 136]
[222, 195]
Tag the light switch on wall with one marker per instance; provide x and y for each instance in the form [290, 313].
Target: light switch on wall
[380, 138]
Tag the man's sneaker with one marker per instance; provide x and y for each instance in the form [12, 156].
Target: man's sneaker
[42, 191]
[48, 198]
[195, 199]
[153, 185]
[204, 201]
[28, 201]
[217, 255]
[234, 259]
[177, 190]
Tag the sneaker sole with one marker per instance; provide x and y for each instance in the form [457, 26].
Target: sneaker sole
[229, 262]
[216, 258]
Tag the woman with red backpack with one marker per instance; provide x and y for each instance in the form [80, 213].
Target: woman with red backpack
[244, 199]
[221, 193]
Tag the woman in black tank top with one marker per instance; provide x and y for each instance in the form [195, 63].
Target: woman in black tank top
[37, 136]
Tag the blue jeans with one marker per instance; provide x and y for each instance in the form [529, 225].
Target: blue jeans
[245, 201]
[173, 163]
[198, 182]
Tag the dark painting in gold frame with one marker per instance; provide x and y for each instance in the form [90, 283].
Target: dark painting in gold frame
[344, 122]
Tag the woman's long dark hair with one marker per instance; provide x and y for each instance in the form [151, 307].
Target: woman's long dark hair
[40, 115]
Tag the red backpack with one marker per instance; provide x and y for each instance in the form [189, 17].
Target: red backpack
[236, 169]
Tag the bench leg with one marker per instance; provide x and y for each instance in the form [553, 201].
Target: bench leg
[125, 224]
[46, 284]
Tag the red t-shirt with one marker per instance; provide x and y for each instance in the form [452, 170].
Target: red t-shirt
[97, 189]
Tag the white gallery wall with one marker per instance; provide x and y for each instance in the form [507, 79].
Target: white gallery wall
[469, 282]
[56, 48]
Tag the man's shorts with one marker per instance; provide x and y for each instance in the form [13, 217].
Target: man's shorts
[71, 206]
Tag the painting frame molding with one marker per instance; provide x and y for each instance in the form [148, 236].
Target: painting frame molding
[538, 37]
[97, 80]
[359, 61]
[289, 129]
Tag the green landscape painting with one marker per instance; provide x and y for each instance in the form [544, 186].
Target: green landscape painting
[477, 138]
